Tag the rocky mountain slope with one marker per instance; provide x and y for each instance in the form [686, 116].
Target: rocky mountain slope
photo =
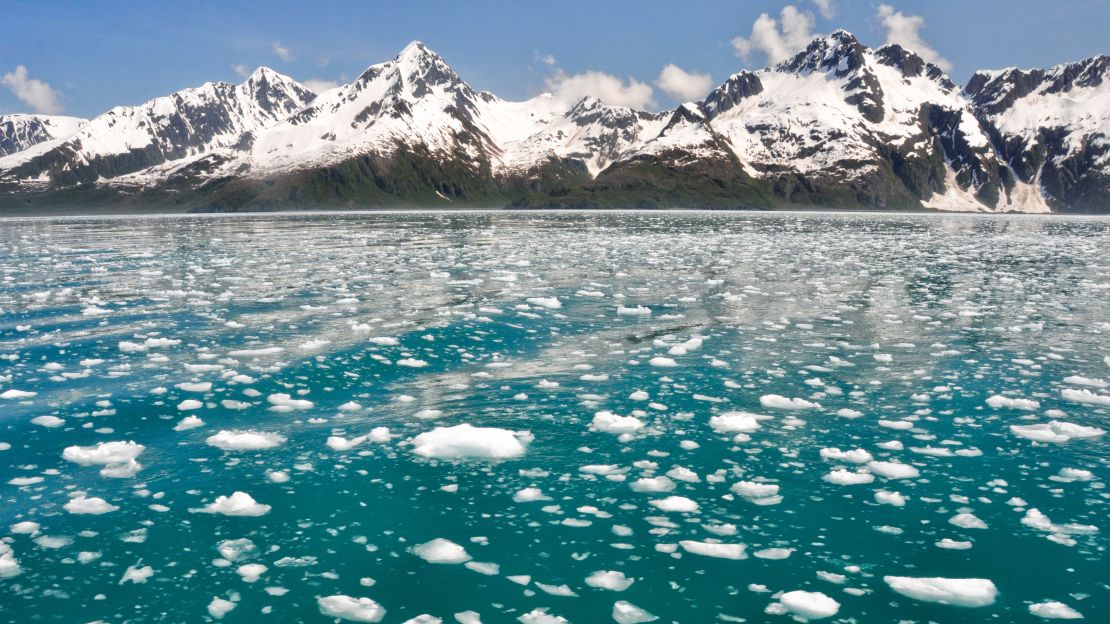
[19, 132]
[838, 125]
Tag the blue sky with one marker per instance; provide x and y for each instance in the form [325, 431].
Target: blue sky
[84, 58]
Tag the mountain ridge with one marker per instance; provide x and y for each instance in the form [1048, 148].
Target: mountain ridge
[837, 125]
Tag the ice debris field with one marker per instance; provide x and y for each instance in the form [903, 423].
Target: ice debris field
[545, 418]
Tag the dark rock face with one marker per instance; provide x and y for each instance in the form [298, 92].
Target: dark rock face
[17, 133]
[1069, 167]
[727, 96]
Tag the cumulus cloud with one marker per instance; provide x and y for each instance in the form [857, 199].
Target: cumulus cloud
[905, 30]
[241, 70]
[282, 51]
[683, 85]
[605, 87]
[775, 43]
[319, 85]
[41, 97]
[826, 8]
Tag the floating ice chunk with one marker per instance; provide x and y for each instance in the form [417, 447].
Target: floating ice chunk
[1087, 381]
[1052, 610]
[26, 527]
[379, 435]
[117, 457]
[489, 569]
[467, 441]
[412, 362]
[841, 476]
[350, 609]
[90, 506]
[627, 613]
[219, 607]
[251, 572]
[899, 425]
[1055, 431]
[1059, 532]
[890, 498]
[556, 590]
[998, 401]
[441, 550]
[774, 554]
[137, 574]
[235, 549]
[680, 473]
[424, 618]
[189, 386]
[653, 484]
[530, 494]
[951, 544]
[714, 549]
[238, 504]
[383, 341]
[736, 422]
[189, 422]
[609, 579]
[679, 504]
[662, 362]
[1067, 475]
[855, 456]
[636, 311]
[189, 404]
[283, 402]
[49, 422]
[541, 616]
[245, 440]
[337, 443]
[969, 592]
[1086, 396]
[608, 422]
[552, 303]
[12, 394]
[781, 402]
[639, 395]
[893, 470]
[809, 605]
[967, 521]
[845, 412]
[9, 566]
[754, 489]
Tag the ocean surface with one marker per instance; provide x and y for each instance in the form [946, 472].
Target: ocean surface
[553, 417]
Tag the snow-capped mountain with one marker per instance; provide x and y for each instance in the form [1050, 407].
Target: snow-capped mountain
[19, 131]
[1052, 128]
[176, 127]
[838, 125]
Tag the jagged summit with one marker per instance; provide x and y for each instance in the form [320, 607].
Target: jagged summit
[838, 51]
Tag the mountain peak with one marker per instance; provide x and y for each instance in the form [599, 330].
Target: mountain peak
[838, 51]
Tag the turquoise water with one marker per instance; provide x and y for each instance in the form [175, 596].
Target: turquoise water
[882, 336]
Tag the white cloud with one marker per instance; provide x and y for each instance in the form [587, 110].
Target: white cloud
[826, 8]
[35, 93]
[607, 88]
[683, 85]
[546, 59]
[241, 70]
[319, 85]
[905, 31]
[777, 45]
[282, 51]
